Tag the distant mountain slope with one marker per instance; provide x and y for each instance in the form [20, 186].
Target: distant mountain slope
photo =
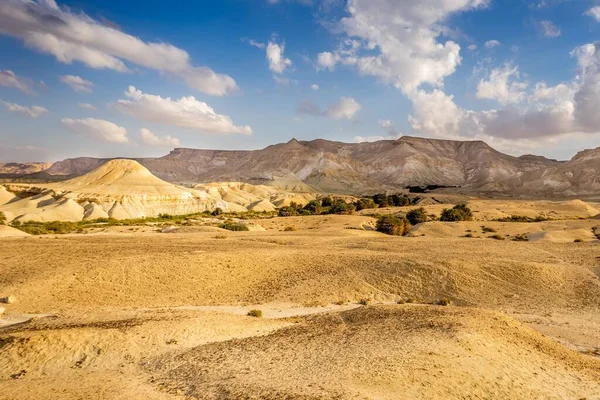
[23, 168]
[355, 168]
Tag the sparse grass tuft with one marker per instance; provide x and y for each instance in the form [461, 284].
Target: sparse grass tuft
[443, 302]
[497, 237]
[221, 237]
[469, 235]
[255, 313]
[290, 228]
[364, 302]
[410, 300]
[234, 226]
[521, 237]
[578, 240]
[487, 229]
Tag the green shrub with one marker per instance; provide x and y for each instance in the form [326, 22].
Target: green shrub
[522, 218]
[459, 212]
[217, 211]
[287, 212]
[2, 218]
[393, 225]
[416, 216]
[314, 207]
[326, 201]
[233, 226]
[364, 204]
[339, 206]
[255, 313]
[443, 302]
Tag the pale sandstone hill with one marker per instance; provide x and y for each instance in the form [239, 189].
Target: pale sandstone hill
[23, 168]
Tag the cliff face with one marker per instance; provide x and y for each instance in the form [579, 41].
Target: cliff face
[366, 167]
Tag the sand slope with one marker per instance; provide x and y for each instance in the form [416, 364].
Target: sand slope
[386, 352]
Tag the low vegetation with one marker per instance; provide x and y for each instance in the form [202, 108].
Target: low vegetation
[2, 218]
[459, 212]
[393, 225]
[522, 218]
[255, 313]
[234, 226]
[417, 216]
[487, 229]
[520, 238]
[291, 228]
[497, 237]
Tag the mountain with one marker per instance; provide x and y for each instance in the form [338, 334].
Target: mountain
[355, 168]
[23, 168]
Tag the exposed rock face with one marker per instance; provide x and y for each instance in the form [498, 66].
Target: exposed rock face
[124, 189]
[23, 168]
[355, 168]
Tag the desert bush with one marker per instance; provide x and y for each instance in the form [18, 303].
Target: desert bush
[364, 302]
[233, 226]
[520, 238]
[287, 212]
[314, 207]
[326, 201]
[217, 211]
[469, 235]
[393, 225]
[339, 206]
[291, 228]
[416, 216]
[410, 300]
[364, 204]
[2, 218]
[497, 237]
[459, 212]
[522, 218]
[443, 302]
[255, 313]
[487, 229]
[578, 241]
[221, 237]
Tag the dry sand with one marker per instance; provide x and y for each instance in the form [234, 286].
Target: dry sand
[137, 314]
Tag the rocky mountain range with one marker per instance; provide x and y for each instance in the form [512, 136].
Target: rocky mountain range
[355, 168]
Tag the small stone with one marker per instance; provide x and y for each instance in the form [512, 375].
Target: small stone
[8, 300]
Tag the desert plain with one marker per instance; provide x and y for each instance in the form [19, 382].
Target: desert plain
[160, 310]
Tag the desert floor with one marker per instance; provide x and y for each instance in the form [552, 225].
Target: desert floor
[348, 313]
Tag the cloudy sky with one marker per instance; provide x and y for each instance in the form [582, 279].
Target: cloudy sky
[138, 78]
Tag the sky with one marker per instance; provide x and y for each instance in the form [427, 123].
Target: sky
[111, 78]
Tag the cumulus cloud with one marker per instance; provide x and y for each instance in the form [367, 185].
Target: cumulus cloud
[87, 106]
[389, 128]
[9, 79]
[548, 29]
[490, 44]
[315, 87]
[398, 42]
[363, 139]
[594, 12]
[97, 129]
[186, 112]
[345, 108]
[31, 112]
[69, 37]
[503, 86]
[472, 47]
[151, 139]
[275, 55]
[547, 113]
[77, 83]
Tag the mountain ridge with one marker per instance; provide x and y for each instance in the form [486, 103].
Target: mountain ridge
[356, 168]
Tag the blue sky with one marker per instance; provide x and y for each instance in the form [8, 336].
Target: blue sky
[115, 78]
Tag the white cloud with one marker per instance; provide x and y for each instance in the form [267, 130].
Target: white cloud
[345, 108]
[151, 139]
[305, 2]
[545, 116]
[388, 126]
[31, 112]
[77, 83]
[398, 41]
[472, 47]
[548, 29]
[98, 129]
[490, 44]
[186, 112]
[275, 55]
[9, 79]
[254, 43]
[69, 37]
[315, 87]
[594, 12]
[87, 106]
[502, 86]
[363, 139]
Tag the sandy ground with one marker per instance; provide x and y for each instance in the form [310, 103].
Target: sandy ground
[138, 314]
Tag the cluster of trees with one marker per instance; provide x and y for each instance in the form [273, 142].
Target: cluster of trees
[331, 205]
[393, 225]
